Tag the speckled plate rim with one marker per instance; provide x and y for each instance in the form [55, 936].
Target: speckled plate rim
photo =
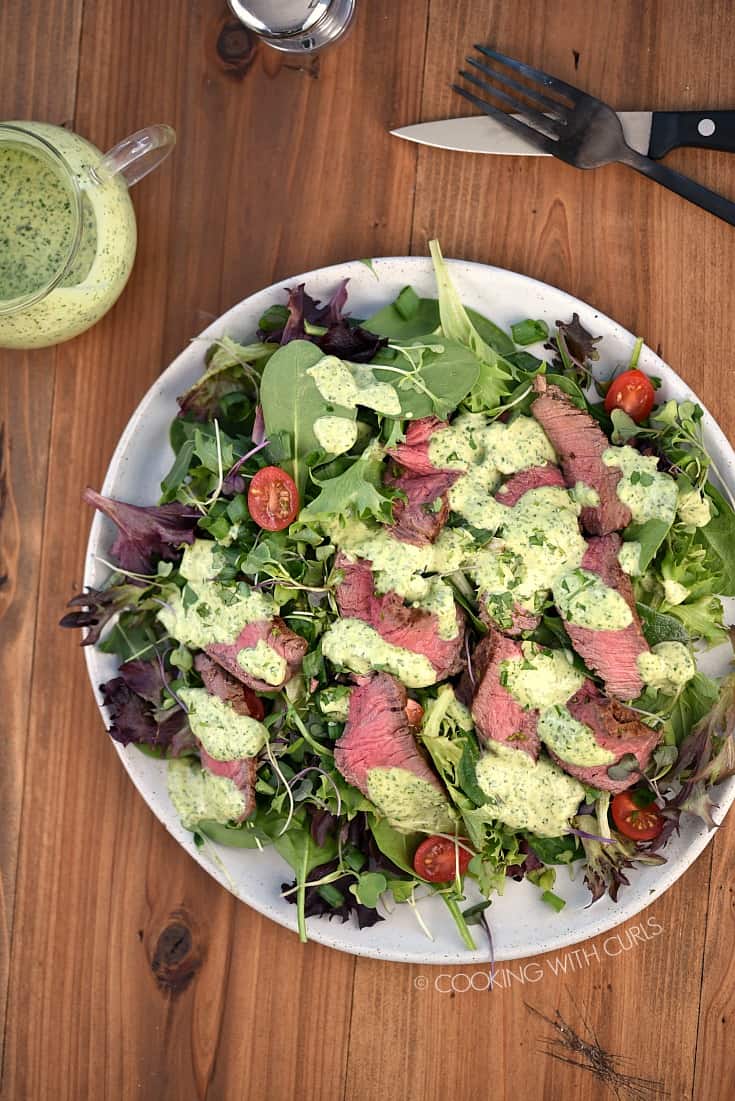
[522, 925]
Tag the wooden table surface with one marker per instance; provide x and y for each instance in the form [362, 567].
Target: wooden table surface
[125, 971]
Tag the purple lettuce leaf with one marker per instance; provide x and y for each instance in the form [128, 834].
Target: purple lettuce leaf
[340, 339]
[134, 699]
[316, 905]
[148, 533]
[353, 343]
[96, 607]
[530, 862]
[606, 864]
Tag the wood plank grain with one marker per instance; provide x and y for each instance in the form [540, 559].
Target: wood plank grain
[714, 1060]
[167, 986]
[38, 82]
[446, 1032]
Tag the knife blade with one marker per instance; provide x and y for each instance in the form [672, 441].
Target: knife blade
[653, 133]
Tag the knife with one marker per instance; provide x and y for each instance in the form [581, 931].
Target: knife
[653, 133]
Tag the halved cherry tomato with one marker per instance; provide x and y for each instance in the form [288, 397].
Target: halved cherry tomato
[633, 393]
[273, 498]
[414, 713]
[437, 859]
[638, 823]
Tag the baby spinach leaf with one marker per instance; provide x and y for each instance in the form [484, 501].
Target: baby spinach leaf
[555, 850]
[397, 324]
[291, 403]
[298, 848]
[570, 388]
[650, 535]
[398, 847]
[433, 379]
[178, 472]
[410, 316]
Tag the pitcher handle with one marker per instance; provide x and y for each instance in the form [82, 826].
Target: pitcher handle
[134, 157]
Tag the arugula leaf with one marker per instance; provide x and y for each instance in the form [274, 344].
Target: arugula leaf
[358, 491]
[291, 403]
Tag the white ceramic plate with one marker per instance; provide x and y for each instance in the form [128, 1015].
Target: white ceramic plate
[522, 925]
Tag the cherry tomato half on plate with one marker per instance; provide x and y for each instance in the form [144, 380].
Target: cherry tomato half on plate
[437, 858]
[273, 499]
[639, 823]
[633, 393]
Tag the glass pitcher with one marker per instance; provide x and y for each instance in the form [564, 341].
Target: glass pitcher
[67, 227]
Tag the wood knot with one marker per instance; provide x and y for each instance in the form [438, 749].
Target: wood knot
[178, 954]
[236, 46]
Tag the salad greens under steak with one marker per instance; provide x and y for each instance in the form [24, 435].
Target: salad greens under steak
[419, 604]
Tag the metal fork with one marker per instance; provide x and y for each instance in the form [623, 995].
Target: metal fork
[573, 126]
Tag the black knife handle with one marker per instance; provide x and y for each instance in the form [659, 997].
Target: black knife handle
[707, 129]
[682, 185]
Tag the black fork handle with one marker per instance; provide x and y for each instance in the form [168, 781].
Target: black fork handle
[684, 186]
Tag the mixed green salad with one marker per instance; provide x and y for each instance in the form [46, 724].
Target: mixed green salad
[420, 603]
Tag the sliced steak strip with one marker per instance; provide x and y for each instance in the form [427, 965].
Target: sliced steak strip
[611, 654]
[616, 728]
[377, 734]
[580, 443]
[498, 715]
[395, 621]
[277, 635]
[535, 477]
[242, 773]
[413, 453]
[417, 520]
[219, 683]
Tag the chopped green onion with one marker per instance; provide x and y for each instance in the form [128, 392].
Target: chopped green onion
[553, 901]
[529, 331]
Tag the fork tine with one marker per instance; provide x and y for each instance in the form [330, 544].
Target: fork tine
[553, 105]
[534, 137]
[575, 94]
[535, 118]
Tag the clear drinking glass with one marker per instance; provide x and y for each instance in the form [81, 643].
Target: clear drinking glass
[67, 227]
[299, 26]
